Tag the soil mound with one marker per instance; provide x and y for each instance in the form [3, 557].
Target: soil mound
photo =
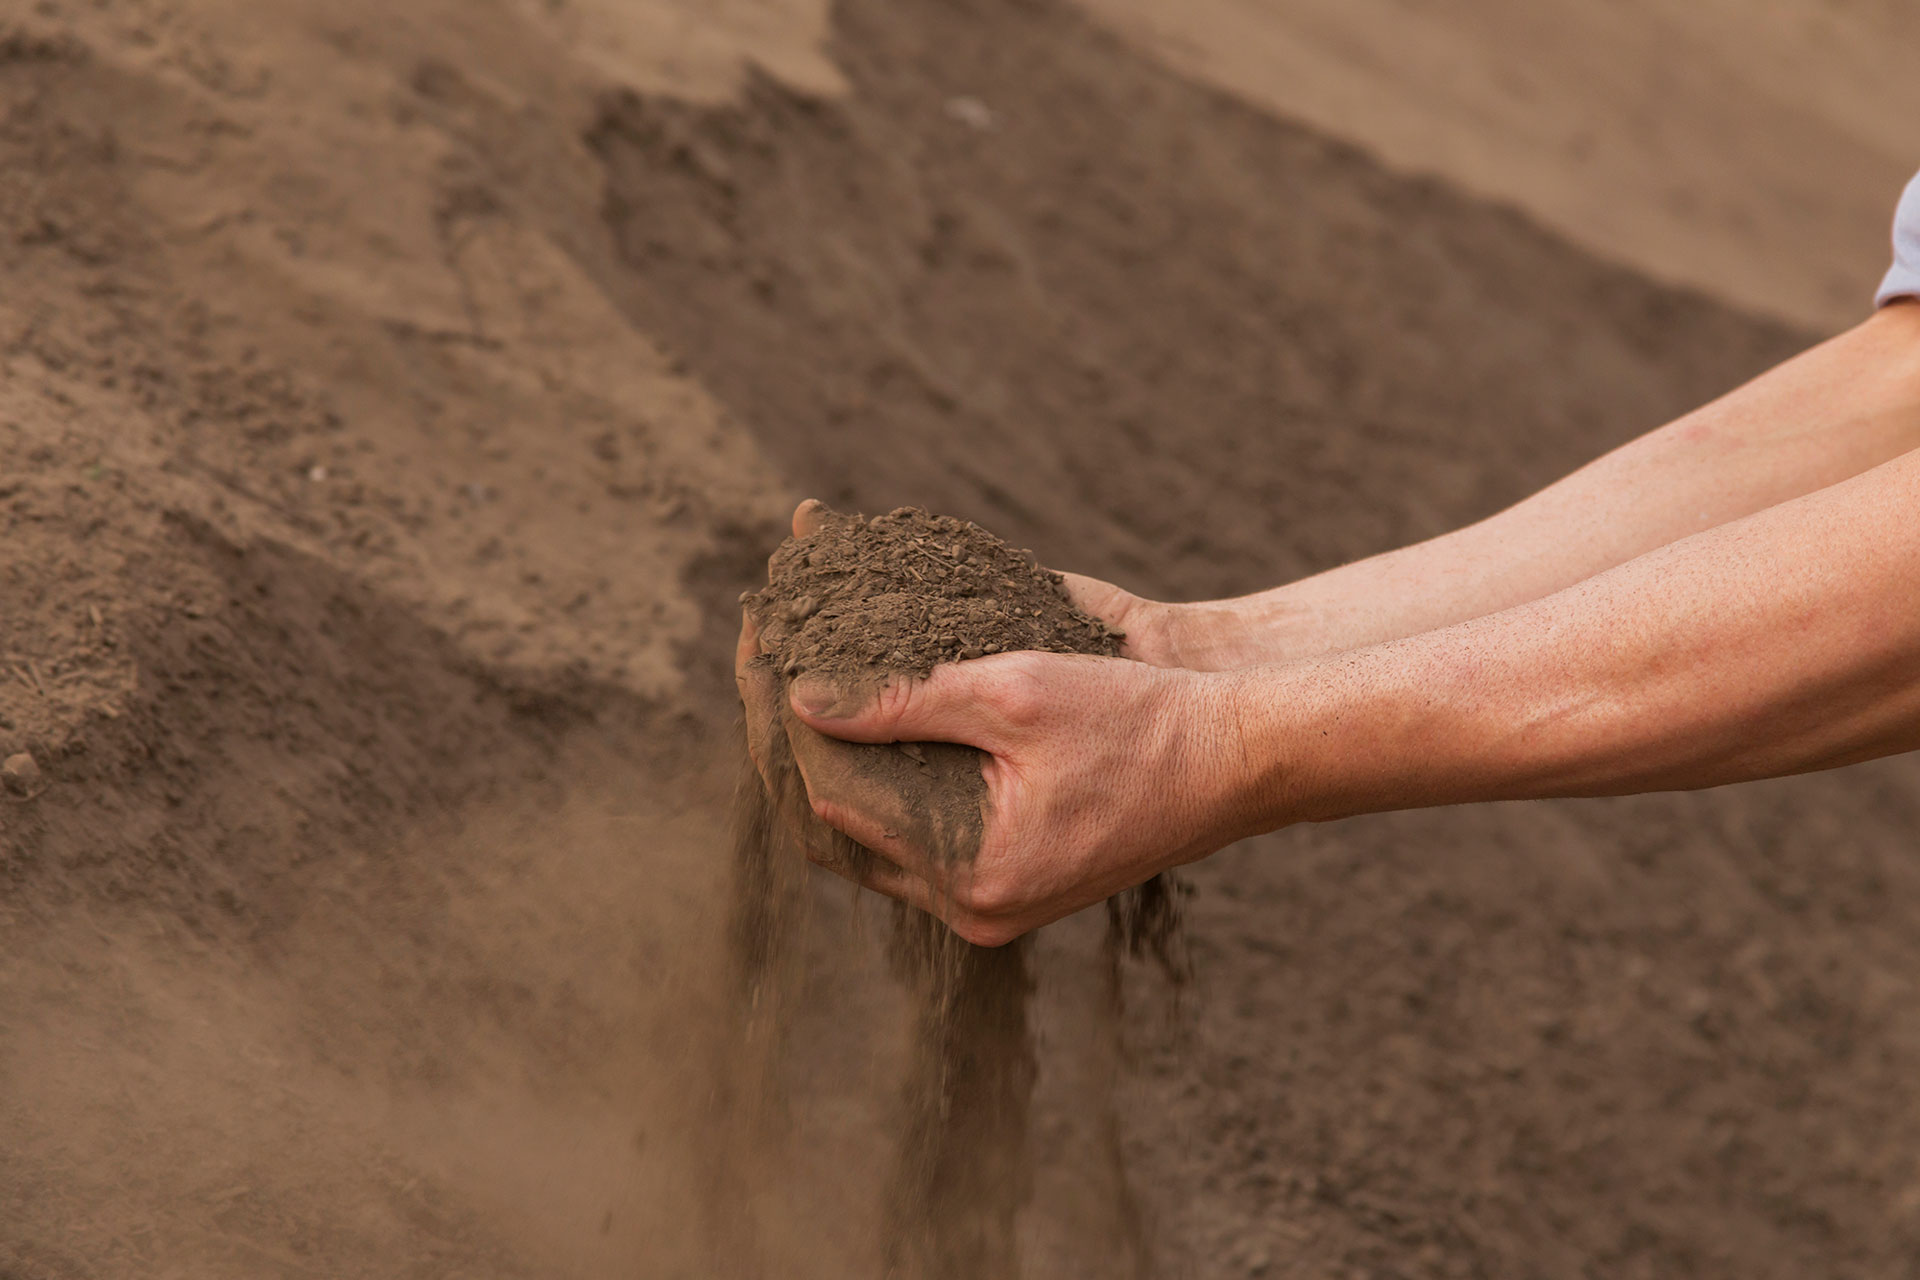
[393, 412]
[1169, 340]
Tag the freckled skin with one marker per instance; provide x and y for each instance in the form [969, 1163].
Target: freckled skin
[1730, 597]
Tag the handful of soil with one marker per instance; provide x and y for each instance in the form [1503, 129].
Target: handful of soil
[866, 599]
[861, 598]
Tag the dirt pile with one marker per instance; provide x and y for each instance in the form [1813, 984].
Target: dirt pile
[394, 402]
[1168, 340]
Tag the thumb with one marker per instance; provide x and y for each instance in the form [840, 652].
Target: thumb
[1101, 599]
[946, 706]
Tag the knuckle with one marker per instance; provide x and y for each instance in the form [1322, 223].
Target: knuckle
[984, 933]
[969, 928]
[894, 699]
[1021, 692]
[986, 896]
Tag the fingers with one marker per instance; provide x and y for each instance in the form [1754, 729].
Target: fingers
[749, 646]
[922, 814]
[914, 816]
[1101, 599]
[760, 707]
[943, 903]
[806, 517]
[974, 702]
[1141, 624]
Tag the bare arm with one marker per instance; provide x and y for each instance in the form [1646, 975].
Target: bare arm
[1781, 643]
[1833, 412]
[1734, 596]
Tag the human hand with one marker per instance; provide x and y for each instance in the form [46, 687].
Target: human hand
[1099, 773]
[940, 785]
[1096, 773]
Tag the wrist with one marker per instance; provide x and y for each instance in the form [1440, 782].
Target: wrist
[1227, 635]
[1255, 770]
[1342, 735]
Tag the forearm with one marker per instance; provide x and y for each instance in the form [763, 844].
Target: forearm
[1780, 643]
[1833, 412]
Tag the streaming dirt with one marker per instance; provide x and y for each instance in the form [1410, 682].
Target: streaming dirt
[394, 401]
[862, 601]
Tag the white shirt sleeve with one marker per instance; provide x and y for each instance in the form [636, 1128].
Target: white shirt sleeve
[1904, 280]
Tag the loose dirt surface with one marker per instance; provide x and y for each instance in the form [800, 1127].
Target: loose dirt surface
[859, 599]
[1752, 150]
[393, 405]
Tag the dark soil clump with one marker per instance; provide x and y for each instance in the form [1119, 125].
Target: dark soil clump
[900, 593]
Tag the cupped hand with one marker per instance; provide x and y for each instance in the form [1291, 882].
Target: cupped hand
[1100, 773]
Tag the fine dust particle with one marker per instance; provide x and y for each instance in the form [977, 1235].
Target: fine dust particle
[20, 774]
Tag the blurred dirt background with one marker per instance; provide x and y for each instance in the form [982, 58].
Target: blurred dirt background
[395, 398]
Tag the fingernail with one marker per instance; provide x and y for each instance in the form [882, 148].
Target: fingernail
[821, 698]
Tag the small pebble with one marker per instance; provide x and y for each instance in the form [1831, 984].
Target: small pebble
[20, 773]
[970, 112]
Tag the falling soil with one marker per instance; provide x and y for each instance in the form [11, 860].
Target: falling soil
[863, 601]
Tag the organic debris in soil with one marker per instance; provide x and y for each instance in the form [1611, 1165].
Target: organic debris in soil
[900, 593]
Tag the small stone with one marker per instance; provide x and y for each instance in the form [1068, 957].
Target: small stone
[20, 774]
[970, 112]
